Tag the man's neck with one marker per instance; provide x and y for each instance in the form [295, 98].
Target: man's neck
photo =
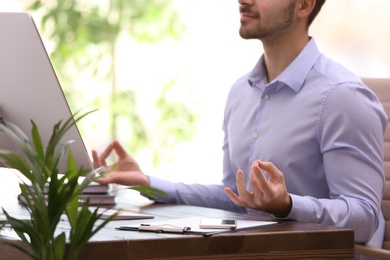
[279, 53]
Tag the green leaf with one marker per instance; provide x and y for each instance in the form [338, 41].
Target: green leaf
[17, 162]
[72, 211]
[37, 142]
[35, 5]
[60, 245]
[149, 191]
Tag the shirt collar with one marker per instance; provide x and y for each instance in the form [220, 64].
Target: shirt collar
[294, 75]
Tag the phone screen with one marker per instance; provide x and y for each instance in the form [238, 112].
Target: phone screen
[218, 223]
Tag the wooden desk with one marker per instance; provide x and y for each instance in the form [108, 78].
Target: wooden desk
[290, 240]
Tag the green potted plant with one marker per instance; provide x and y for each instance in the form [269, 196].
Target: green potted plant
[51, 195]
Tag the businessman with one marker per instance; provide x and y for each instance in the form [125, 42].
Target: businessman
[303, 136]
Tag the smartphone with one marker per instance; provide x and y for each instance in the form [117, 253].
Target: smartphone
[218, 223]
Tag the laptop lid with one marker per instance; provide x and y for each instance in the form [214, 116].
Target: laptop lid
[29, 88]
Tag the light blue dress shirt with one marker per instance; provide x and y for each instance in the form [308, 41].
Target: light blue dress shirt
[321, 126]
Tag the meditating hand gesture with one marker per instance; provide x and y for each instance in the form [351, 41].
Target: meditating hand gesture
[269, 195]
[127, 172]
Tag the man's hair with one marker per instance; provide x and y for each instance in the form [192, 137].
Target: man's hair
[316, 10]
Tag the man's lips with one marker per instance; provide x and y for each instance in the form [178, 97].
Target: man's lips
[247, 16]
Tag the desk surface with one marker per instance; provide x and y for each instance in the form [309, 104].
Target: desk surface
[290, 240]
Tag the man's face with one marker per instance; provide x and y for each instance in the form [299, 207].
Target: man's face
[265, 18]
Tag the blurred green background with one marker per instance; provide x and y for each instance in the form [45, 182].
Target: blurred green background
[158, 71]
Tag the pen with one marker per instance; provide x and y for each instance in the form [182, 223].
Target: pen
[163, 228]
[156, 228]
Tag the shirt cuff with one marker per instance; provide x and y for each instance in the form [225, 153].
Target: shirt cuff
[301, 209]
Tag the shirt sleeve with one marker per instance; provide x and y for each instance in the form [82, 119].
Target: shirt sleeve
[350, 134]
[211, 195]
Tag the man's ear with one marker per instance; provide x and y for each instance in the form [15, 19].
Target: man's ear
[305, 7]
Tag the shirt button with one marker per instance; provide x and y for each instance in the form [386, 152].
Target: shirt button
[266, 96]
[255, 136]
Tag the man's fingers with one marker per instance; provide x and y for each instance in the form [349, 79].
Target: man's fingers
[240, 199]
[241, 188]
[268, 194]
[272, 170]
[103, 156]
[245, 197]
[235, 198]
[120, 151]
[231, 195]
[258, 181]
[95, 159]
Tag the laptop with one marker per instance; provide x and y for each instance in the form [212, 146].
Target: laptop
[29, 88]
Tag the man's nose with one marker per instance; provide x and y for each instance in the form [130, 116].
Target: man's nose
[245, 2]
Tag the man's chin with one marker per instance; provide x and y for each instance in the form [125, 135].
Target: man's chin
[245, 35]
[249, 34]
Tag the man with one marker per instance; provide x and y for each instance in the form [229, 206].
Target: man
[303, 135]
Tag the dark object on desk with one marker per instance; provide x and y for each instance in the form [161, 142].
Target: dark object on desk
[94, 192]
[163, 228]
[218, 223]
[96, 188]
[93, 199]
[92, 188]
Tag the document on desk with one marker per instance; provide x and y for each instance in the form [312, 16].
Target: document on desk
[122, 214]
[190, 225]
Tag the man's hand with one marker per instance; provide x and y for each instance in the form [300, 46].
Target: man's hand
[128, 171]
[269, 195]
